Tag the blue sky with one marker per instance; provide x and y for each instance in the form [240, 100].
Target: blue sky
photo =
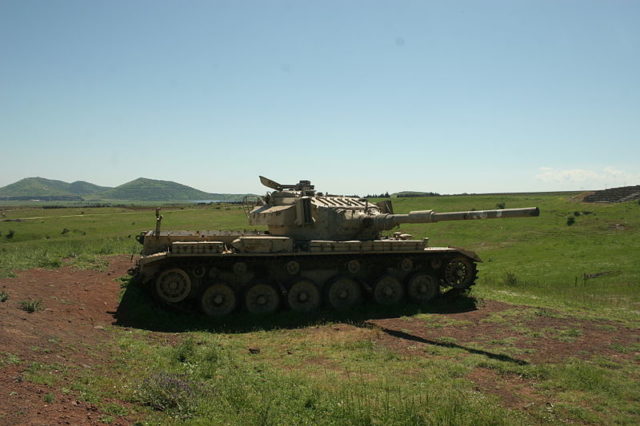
[357, 96]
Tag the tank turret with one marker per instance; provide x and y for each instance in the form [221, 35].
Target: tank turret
[296, 211]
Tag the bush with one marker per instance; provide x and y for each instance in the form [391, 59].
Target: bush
[10, 234]
[510, 279]
[3, 296]
[501, 205]
[164, 391]
[31, 305]
[571, 220]
[185, 351]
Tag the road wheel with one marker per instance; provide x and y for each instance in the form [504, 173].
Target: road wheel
[422, 287]
[388, 290]
[459, 272]
[218, 300]
[172, 286]
[343, 293]
[261, 299]
[304, 296]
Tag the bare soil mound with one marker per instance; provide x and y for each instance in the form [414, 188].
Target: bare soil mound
[614, 195]
[62, 335]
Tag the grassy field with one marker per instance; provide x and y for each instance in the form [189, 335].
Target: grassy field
[575, 263]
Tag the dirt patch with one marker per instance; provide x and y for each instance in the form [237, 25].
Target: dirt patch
[514, 391]
[41, 352]
[519, 333]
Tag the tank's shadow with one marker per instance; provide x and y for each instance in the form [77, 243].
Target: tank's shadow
[496, 356]
[137, 310]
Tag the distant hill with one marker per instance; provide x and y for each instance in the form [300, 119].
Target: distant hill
[141, 189]
[48, 189]
[414, 194]
[84, 188]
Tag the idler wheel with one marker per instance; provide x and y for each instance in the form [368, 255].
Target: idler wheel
[304, 296]
[459, 272]
[422, 287]
[343, 293]
[388, 290]
[262, 299]
[218, 300]
[172, 286]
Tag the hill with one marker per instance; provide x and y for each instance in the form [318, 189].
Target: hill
[414, 194]
[141, 189]
[48, 189]
[85, 188]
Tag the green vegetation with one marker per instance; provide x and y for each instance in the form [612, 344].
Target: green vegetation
[589, 266]
[209, 379]
[336, 368]
[31, 305]
[50, 238]
[143, 189]
[138, 191]
[37, 187]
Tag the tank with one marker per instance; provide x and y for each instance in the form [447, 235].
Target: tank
[318, 250]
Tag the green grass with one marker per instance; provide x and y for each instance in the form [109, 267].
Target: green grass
[50, 238]
[542, 261]
[209, 379]
[306, 372]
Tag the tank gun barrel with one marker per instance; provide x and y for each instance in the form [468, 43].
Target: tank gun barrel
[389, 221]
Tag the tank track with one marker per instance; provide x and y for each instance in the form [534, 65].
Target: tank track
[220, 285]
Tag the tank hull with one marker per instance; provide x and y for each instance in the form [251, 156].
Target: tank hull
[335, 274]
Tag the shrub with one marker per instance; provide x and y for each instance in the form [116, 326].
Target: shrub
[164, 391]
[571, 220]
[10, 234]
[185, 351]
[510, 279]
[3, 296]
[31, 305]
[501, 205]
